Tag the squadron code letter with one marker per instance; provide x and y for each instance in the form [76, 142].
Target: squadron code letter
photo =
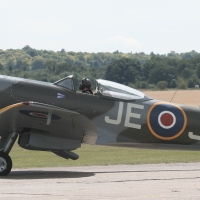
[119, 116]
[129, 114]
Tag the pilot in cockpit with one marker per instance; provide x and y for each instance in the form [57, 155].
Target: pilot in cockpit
[85, 86]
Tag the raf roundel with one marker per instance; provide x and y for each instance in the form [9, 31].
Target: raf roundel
[166, 121]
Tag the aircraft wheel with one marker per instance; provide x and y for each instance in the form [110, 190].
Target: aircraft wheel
[5, 164]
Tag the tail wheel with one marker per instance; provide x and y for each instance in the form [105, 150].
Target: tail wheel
[5, 164]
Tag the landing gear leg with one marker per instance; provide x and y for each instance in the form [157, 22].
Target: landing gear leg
[5, 160]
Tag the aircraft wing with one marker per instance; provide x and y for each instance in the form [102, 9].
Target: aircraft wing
[44, 127]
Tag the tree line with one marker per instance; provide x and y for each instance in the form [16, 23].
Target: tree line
[137, 70]
[158, 72]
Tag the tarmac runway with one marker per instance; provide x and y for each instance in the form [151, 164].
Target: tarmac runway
[151, 181]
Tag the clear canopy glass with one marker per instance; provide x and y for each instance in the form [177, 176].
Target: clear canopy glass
[116, 90]
[66, 82]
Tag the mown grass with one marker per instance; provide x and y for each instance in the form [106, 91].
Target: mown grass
[100, 155]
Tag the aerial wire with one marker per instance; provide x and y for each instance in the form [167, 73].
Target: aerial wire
[174, 95]
[176, 90]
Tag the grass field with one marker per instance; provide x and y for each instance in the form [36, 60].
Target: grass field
[186, 97]
[101, 155]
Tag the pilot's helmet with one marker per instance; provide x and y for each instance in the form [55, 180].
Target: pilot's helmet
[85, 83]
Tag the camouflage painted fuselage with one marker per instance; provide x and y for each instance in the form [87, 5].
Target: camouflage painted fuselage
[145, 122]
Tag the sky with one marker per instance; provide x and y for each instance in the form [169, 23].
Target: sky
[158, 26]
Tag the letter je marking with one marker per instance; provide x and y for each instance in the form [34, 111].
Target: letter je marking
[119, 116]
[129, 114]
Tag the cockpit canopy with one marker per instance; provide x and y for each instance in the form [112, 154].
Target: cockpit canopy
[66, 82]
[116, 90]
[106, 89]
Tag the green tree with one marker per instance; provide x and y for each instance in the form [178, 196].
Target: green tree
[198, 70]
[123, 71]
[38, 63]
[25, 64]
[166, 73]
[1, 67]
[187, 73]
[61, 67]
[192, 81]
[63, 51]
[51, 65]
[10, 68]
[161, 85]
[182, 83]
[173, 83]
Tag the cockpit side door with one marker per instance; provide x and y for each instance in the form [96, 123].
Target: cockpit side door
[65, 93]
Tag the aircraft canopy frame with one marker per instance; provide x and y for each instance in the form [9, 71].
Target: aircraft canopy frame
[105, 88]
[67, 83]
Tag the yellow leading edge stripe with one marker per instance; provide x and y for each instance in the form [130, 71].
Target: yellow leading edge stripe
[158, 136]
[11, 106]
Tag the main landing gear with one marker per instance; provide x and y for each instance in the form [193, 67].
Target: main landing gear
[5, 164]
[6, 146]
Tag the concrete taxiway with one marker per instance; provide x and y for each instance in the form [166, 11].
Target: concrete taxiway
[151, 181]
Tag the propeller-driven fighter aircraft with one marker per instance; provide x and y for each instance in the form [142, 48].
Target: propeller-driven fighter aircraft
[55, 117]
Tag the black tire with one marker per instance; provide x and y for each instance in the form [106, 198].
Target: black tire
[5, 164]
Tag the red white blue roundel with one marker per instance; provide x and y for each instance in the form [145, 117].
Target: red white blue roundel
[166, 121]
